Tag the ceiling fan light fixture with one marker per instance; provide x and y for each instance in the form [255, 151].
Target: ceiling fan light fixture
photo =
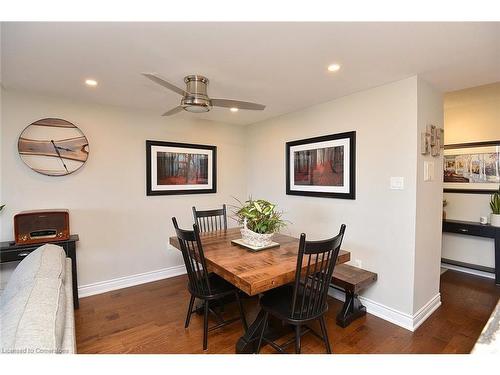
[196, 104]
[197, 108]
[233, 109]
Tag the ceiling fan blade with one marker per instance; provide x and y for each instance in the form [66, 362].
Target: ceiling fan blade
[157, 79]
[173, 111]
[227, 103]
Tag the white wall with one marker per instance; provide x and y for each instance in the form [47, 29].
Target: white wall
[429, 203]
[470, 115]
[122, 231]
[380, 222]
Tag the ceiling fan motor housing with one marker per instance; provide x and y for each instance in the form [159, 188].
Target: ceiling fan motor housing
[197, 99]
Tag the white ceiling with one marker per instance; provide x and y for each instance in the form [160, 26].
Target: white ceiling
[282, 65]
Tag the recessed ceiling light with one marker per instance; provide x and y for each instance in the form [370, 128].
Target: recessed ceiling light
[333, 67]
[91, 82]
[234, 109]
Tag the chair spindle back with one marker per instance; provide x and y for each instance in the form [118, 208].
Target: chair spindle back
[211, 220]
[312, 280]
[194, 259]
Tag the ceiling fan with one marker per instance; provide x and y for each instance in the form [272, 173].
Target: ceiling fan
[195, 98]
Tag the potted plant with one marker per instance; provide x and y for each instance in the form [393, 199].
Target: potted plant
[495, 209]
[260, 221]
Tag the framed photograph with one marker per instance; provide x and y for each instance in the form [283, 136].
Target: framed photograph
[472, 167]
[180, 168]
[322, 166]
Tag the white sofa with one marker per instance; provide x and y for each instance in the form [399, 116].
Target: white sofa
[36, 307]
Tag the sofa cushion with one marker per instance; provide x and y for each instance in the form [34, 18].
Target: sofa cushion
[48, 261]
[34, 318]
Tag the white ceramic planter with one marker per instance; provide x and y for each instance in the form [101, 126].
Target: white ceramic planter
[495, 220]
[256, 239]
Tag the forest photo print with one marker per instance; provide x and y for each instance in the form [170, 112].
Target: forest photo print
[322, 166]
[180, 168]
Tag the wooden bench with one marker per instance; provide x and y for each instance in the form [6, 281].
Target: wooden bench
[351, 280]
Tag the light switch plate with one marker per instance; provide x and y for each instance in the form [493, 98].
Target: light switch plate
[428, 171]
[397, 183]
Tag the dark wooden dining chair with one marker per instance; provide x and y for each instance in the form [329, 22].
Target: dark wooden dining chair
[203, 285]
[305, 300]
[211, 220]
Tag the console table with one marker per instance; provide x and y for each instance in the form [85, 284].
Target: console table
[10, 252]
[470, 228]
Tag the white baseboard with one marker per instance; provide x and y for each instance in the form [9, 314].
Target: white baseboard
[471, 271]
[425, 311]
[132, 280]
[407, 321]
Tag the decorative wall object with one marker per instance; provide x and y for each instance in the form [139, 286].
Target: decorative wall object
[180, 168]
[53, 147]
[322, 166]
[472, 167]
[432, 141]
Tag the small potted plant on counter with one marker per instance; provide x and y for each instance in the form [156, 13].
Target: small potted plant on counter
[260, 221]
[495, 209]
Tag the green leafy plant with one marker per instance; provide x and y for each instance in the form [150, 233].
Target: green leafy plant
[495, 202]
[261, 216]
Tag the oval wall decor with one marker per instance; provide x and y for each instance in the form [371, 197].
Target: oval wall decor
[53, 147]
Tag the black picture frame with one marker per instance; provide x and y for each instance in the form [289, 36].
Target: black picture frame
[150, 191]
[351, 194]
[468, 190]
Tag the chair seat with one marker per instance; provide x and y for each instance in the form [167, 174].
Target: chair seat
[278, 302]
[218, 287]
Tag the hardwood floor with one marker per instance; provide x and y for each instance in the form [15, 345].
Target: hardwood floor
[150, 319]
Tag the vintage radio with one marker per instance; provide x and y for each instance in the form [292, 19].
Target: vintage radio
[40, 226]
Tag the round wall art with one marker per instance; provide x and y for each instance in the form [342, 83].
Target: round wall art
[53, 147]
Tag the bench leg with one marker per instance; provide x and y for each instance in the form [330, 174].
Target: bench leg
[352, 309]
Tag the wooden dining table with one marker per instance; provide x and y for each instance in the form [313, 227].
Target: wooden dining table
[252, 272]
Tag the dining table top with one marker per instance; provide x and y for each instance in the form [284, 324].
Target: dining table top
[250, 271]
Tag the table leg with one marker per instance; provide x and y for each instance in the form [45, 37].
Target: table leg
[497, 260]
[275, 329]
[71, 253]
[248, 342]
